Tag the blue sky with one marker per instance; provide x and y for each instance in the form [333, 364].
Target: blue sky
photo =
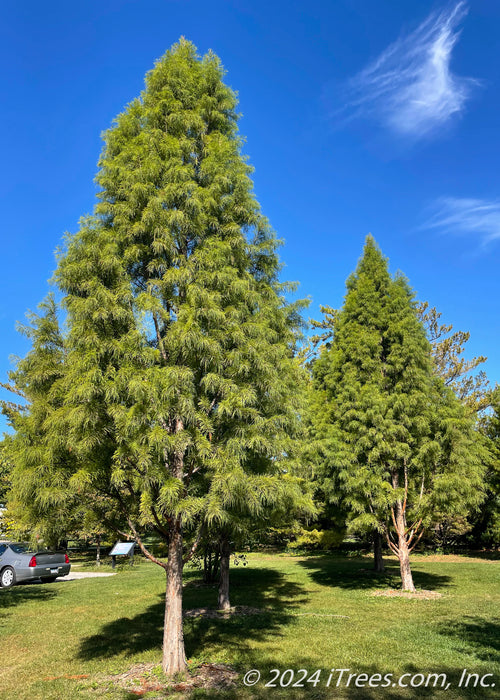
[359, 116]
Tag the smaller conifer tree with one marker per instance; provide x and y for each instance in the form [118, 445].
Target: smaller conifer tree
[396, 443]
[40, 503]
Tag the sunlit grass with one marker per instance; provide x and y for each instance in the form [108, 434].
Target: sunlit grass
[317, 612]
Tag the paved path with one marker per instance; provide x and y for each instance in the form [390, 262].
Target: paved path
[74, 575]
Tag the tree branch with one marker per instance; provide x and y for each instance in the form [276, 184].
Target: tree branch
[190, 553]
[13, 389]
[159, 340]
[394, 519]
[159, 526]
[417, 541]
[143, 549]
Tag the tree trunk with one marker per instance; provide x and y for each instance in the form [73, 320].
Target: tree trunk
[174, 656]
[378, 562]
[403, 550]
[225, 552]
[98, 551]
[404, 565]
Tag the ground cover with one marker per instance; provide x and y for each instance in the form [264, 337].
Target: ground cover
[81, 638]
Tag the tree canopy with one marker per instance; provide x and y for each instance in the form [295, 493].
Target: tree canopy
[448, 347]
[395, 443]
[181, 392]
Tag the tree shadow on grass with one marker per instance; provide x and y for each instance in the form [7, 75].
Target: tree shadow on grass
[260, 588]
[358, 574]
[17, 595]
[417, 682]
[436, 682]
[480, 637]
[264, 589]
[486, 554]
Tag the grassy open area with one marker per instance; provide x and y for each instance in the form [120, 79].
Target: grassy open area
[99, 627]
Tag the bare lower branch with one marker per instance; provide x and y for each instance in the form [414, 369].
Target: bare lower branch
[393, 547]
[414, 526]
[416, 541]
[414, 532]
[143, 549]
[391, 544]
[406, 487]
[394, 519]
[190, 553]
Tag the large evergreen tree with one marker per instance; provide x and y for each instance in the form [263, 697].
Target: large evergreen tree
[396, 445]
[181, 393]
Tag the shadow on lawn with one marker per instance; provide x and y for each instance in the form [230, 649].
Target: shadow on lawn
[23, 593]
[418, 682]
[481, 636]
[356, 574]
[486, 554]
[259, 588]
[434, 682]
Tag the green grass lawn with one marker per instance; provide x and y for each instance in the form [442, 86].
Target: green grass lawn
[99, 627]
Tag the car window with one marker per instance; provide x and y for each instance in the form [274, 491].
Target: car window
[19, 548]
[3, 547]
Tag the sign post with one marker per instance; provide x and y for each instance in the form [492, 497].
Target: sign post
[122, 549]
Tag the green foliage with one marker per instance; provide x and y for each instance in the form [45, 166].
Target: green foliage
[386, 433]
[182, 394]
[487, 525]
[48, 500]
[456, 372]
[5, 470]
[310, 540]
[40, 505]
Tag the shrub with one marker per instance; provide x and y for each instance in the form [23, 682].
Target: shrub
[310, 540]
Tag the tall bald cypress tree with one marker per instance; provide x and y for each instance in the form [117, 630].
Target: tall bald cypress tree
[181, 389]
[396, 444]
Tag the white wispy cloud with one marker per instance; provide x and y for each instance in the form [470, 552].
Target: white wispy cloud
[470, 216]
[410, 86]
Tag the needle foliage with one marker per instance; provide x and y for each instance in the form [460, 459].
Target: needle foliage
[182, 394]
[396, 445]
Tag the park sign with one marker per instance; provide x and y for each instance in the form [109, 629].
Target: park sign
[125, 549]
[122, 549]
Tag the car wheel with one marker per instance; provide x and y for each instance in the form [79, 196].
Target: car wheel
[7, 577]
[48, 579]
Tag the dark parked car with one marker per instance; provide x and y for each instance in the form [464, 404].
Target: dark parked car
[19, 564]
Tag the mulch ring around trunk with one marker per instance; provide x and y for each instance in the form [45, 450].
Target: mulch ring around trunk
[418, 595]
[142, 678]
[216, 614]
